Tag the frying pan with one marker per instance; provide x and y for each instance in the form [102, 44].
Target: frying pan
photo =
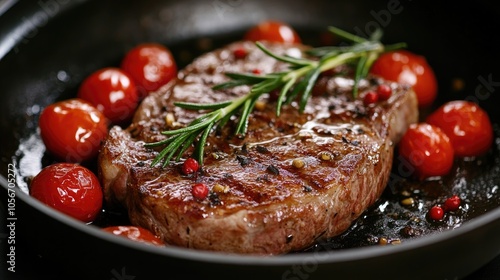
[48, 47]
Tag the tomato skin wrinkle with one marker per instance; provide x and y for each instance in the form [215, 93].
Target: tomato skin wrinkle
[408, 68]
[69, 188]
[467, 125]
[113, 92]
[273, 31]
[72, 130]
[428, 150]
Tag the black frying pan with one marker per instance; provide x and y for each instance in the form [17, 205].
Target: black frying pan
[48, 47]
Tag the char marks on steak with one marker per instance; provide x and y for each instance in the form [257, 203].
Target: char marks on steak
[291, 181]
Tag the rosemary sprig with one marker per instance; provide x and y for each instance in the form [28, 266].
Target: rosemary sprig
[296, 83]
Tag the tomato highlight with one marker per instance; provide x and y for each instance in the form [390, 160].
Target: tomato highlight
[272, 31]
[135, 233]
[111, 91]
[72, 130]
[466, 124]
[405, 67]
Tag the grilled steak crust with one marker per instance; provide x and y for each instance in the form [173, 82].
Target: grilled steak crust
[291, 181]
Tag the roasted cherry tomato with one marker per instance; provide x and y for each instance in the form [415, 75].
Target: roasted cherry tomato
[427, 149]
[136, 234]
[113, 92]
[73, 129]
[466, 124]
[151, 66]
[408, 68]
[69, 188]
[272, 31]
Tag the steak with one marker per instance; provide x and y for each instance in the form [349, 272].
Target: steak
[289, 182]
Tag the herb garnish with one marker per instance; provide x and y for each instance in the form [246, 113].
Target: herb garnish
[295, 83]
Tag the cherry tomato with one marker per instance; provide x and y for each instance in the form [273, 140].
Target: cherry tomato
[69, 188]
[408, 68]
[273, 31]
[136, 234]
[466, 124]
[427, 149]
[73, 129]
[111, 91]
[151, 66]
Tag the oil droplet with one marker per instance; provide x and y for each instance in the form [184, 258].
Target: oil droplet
[62, 76]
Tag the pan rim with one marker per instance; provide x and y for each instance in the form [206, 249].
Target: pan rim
[330, 257]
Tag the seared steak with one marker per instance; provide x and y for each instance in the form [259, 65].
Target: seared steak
[291, 181]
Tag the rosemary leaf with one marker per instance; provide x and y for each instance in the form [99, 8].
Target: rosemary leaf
[250, 78]
[159, 143]
[187, 143]
[346, 35]
[395, 47]
[200, 147]
[287, 59]
[370, 59]
[230, 84]
[322, 51]
[223, 121]
[200, 122]
[174, 147]
[376, 35]
[266, 86]
[358, 75]
[282, 96]
[243, 123]
[166, 150]
[311, 81]
[202, 106]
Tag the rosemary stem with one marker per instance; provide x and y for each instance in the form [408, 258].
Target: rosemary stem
[338, 60]
[299, 72]
[235, 104]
